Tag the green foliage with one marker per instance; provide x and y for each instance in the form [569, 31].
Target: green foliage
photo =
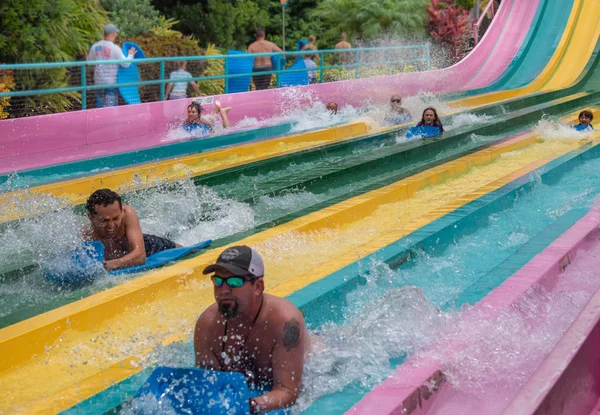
[370, 19]
[214, 67]
[164, 27]
[47, 31]
[465, 4]
[132, 17]
[6, 84]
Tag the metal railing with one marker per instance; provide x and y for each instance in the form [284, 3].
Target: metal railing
[353, 63]
[478, 23]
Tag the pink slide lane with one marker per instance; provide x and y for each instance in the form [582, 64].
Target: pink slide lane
[413, 388]
[34, 142]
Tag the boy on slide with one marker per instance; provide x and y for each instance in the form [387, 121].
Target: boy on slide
[117, 226]
[585, 121]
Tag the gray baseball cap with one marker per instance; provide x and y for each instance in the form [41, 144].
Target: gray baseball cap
[110, 28]
[240, 260]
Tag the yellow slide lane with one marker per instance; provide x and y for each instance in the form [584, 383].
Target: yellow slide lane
[59, 358]
[570, 58]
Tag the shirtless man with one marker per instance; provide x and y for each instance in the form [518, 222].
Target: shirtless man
[262, 63]
[346, 57]
[247, 331]
[117, 226]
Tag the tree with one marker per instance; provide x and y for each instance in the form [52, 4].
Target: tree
[132, 17]
[369, 19]
[46, 31]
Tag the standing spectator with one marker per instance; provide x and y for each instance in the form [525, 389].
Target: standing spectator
[343, 58]
[343, 44]
[178, 90]
[262, 63]
[311, 45]
[107, 74]
[310, 63]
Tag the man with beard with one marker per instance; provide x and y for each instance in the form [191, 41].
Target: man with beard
[247, 331]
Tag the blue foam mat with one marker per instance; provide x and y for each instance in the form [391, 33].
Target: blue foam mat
[294, 78]
[130, 94]
[423, 131]
[193, 391]
[86, 264]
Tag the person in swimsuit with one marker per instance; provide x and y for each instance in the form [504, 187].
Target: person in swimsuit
[430, 119]
[248, 331]
[397, 114]
[262, 63]
[117, 226]
[585, 121]
[196, 124]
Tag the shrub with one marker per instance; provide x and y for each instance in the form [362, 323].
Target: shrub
[132, 17]
[6, 84]
[448, 25]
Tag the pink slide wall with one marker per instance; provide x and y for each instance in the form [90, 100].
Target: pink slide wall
[33, 142]
[408, 389]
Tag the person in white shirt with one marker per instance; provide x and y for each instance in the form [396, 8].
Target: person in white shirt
[178, 89]
[107, 74]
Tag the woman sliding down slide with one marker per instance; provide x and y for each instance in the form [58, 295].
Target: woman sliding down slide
[194, 123]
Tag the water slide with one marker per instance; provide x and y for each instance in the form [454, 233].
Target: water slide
[35, 142]
[90, 335]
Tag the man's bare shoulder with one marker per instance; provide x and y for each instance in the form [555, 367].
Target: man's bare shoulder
[282, 310]
[208, 317]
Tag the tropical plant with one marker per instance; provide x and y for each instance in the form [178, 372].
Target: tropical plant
[164, 28]
[370, 19]
[214, 67]
[448, 25]
[46, 31]
[6, 84]
[132, 17]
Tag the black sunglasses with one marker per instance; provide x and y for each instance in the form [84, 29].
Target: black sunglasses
[396, 101]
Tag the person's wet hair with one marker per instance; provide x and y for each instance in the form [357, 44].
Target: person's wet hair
[102, 197]
[586, 113]
[333, 107]
[259, 32]
[436, 119]
[197, 106]
[312, 38]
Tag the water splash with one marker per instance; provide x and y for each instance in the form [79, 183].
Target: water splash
[552, 129]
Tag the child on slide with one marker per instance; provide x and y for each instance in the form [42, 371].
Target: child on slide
[196, 124]
[429, 126]
[585, 121]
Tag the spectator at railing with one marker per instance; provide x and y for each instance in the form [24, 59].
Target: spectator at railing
[107, 74]
[262, 63]
[343, 58]
[310, 63]
[311, 45]
[178, 89]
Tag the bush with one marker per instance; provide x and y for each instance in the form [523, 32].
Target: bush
[6, 84]
[449, 25]
[132, 17]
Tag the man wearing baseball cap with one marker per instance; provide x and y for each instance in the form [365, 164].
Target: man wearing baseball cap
[248, 331]
[107, 74]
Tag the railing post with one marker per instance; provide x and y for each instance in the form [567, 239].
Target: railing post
[84, 86]
[279, 69]
[322, 58]
[428, 58]
[389, 58]
[162, 78]
[225, 80]
[357, 59]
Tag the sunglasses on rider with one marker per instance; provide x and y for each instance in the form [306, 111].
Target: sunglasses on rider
[232, 282]
[396, 101]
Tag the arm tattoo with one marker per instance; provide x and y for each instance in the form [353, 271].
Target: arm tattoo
[291, 334]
